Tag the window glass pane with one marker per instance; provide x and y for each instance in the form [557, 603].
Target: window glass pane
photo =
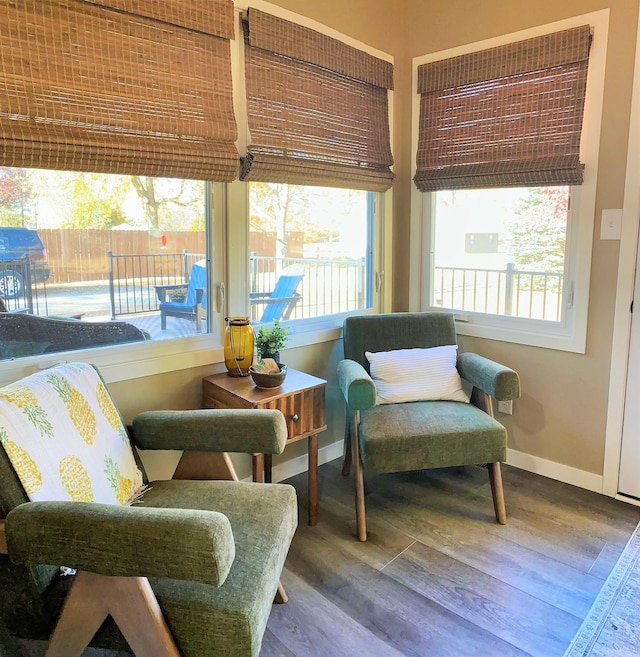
[118, 258]
[309, 251]
[501, 251]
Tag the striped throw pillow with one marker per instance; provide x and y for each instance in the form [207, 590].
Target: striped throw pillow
[406, 375]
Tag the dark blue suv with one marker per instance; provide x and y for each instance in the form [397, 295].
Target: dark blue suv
[23, 259]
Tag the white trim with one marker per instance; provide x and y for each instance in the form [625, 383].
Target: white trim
[570, 335]
[516, 459]
[553, 470]
[299, 19]
[624, 293]
[119, 363]
[628, 500]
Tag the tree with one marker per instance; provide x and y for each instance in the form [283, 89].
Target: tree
[537, 234]
[96, 200]
[16, 197]
[171, 204]
[276, 208]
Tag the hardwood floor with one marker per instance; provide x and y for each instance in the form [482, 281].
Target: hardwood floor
[438, 577]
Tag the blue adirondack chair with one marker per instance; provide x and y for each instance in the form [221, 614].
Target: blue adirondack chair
[193, 305]
[280, 302]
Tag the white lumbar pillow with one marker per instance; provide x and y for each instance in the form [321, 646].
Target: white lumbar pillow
[406, 375]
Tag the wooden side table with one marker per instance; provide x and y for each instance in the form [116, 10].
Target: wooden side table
[300, 399]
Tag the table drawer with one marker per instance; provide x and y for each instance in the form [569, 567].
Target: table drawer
[303, 412]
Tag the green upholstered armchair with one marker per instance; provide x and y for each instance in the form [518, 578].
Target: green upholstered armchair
[188, 567]
[397, 437]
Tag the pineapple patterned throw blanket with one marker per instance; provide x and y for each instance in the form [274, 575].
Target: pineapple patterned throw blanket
[65, 438]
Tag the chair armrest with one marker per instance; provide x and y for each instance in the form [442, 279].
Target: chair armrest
[212, 430]
[357, 386]
[126, 541]
[161, 290]
[272, 300]
[498, 381]
[266, 298]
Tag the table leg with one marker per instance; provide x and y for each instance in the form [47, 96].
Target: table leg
[268, 469]
[313, 479]
[258, 467]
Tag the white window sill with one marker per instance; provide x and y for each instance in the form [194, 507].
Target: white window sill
[133, 361]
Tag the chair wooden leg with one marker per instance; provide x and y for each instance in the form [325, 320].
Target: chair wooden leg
[361, 519]
[495, 479]
[281, 595]
[346, 463]
[132, 605]
[205, 466]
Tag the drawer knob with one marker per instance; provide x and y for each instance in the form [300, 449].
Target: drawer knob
[295, 417]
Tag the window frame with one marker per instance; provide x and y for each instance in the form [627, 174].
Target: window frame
[302, 332]
[306, 331]
[569, 334]
[228, 239]
[134, 360]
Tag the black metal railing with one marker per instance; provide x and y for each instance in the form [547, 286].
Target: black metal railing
[530, 294]
[23, 285]
[133, 279]
[327, 286]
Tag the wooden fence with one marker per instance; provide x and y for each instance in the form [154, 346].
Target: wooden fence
[81, 254]
[77, 255]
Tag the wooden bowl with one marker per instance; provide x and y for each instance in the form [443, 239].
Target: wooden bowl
[266, 381]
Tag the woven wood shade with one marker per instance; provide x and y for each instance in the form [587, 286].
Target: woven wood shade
[90, 86]
[505, 117]
[317, 109]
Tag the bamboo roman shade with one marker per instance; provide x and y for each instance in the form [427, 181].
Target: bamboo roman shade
[503, 117]
[317, 108]
[118, 86]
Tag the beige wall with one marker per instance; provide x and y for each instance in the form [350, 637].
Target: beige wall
[561, 415]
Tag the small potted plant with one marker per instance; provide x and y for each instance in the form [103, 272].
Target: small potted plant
[270, 339]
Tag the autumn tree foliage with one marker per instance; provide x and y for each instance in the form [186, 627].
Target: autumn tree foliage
[16, 197]
[538, 231]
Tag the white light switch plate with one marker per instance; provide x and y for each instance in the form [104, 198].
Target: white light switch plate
[611, 225]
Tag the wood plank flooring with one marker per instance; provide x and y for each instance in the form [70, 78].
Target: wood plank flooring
[438, 577]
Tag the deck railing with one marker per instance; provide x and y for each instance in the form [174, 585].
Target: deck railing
[327, 287]
[335, 286]
[531, 294]
[133, 279]
[23, 286]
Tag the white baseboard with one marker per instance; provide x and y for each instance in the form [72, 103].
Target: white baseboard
[544, 467]
[553, 470]
[628, 500]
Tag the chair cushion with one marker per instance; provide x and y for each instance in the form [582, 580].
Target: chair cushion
[65, 439]
[230, 620]
[263, 519]
[429, 434]
[406, 375]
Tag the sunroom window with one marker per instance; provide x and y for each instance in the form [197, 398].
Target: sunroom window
[501, 251]
[119, 258]
[309, 251]
[506, 143]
